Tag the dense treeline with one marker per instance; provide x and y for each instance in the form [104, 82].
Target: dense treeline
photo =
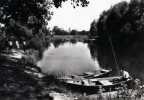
[123, 23]
[58, 31]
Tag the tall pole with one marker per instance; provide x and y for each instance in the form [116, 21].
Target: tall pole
[114, 54]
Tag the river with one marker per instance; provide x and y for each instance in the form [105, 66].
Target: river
[78, 57]
[68, 58]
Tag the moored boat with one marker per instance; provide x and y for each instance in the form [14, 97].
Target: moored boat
[92, 85]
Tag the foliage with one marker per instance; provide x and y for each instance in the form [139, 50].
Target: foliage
[26, 15]
[75, 32]
[28, 19]
[123, 23]
[58, 31]
[75, 3]
[24, 20]
[93, 28]
[32, 13]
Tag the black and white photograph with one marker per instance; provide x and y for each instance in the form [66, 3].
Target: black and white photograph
[71, 49]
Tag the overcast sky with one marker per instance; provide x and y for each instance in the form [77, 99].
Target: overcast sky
[80, 17]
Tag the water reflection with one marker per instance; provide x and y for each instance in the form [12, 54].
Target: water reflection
[93, 50]
[58, 42]
[68, 59]
[77, 57]
[130, 58]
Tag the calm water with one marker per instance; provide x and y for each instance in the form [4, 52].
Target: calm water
[68, 58]
[78, 57]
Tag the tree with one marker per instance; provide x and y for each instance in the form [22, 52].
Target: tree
[93, 28]
[29, 18]
[123, 23]
[24, 19]
[31, 13]
[58, 31]
[74, 32]
[123, 26]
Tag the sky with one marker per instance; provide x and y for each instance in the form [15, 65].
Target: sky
[79, 18]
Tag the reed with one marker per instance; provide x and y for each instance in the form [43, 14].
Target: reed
[122, 94]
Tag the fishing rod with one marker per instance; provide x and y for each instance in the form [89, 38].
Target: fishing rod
[114, 54]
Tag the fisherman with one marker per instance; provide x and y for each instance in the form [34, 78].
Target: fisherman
[125, 74]
[10, 44]
[24, 45]
[17, 44]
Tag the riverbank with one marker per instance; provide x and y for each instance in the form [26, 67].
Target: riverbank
[19, 81]
[116, 95]
[24, 81]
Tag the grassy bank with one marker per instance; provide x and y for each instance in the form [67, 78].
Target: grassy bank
[136, 93]
[22, 81]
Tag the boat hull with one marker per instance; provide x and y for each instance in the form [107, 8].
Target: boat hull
[94, 89]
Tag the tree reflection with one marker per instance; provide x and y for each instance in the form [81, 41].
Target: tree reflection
[103, 53]
[73, 41]
[130, 58]
[93, 49]
[58, 42]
